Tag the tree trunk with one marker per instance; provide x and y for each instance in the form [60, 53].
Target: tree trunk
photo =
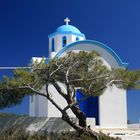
[79, 129]
[79, 114]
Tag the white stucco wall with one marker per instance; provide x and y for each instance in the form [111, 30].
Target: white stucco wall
[50, 46]
[113, 108]
[52, 110]
[31, 105]
[38, 104]
[41, 107]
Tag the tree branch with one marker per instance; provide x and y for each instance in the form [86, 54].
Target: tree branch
[68, 71]
[91, 79]
[113, 81]
[46, 95]
[56, 70]
[59, 90]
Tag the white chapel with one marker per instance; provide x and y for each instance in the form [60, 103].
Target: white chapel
[109, 109]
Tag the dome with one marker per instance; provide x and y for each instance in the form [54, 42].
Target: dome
[68, 28]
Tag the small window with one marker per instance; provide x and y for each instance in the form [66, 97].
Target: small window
[53, 45]
[77, 38]
[64, 41]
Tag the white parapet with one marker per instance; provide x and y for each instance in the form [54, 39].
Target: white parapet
[91, 123]
[37, 59]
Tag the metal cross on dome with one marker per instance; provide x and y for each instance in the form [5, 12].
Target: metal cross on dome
[67, 20]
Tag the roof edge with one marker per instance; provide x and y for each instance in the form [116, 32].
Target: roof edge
[113, 53]
[56, 33]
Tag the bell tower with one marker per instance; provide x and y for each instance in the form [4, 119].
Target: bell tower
[63, 36]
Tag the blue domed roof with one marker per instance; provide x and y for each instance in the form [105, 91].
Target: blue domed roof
[68, 28]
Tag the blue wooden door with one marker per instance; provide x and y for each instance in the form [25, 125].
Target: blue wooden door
[88, 106]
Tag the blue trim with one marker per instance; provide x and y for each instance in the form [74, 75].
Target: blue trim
[56, 33]
[117, 58]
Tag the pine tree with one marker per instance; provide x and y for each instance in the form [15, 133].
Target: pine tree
[84, 71]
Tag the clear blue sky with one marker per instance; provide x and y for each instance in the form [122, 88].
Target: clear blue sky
[26, 24]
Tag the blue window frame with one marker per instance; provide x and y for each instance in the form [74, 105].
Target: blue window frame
[64, 41]
[53, 45]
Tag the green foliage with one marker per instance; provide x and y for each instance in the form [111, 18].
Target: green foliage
[83, 70]
[13, 90]
[8, 98]
[9, 93]
[131, 79]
